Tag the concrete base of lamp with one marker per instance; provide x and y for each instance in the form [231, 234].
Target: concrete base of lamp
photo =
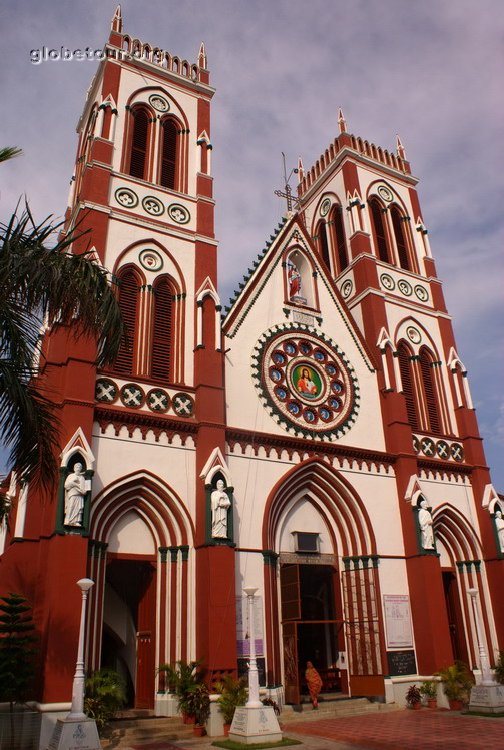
[70, 734]
[487, 698]
[254, 724]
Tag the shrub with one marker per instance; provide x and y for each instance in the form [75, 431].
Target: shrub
[233, 693]
[105, 693]
[413, 696]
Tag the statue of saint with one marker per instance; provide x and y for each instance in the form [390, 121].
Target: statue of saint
[294, 281]
[75, 492]
[499, 525]
[219, 503]
[425, 521]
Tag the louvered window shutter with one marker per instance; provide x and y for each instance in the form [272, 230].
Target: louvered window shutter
[402, 249]
[339, 232]
[162, 331]
[381, 238]
[324, 247]
[139, 144]
[431, 397]
[128, 302]
[405, 370]
[168, 154]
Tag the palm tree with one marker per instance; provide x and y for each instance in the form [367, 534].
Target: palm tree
[43, 281]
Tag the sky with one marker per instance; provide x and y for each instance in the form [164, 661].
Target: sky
[429, 71]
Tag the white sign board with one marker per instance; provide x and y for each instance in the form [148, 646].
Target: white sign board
[398, 620]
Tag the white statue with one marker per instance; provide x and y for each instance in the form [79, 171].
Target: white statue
[499, 525]
[75, 492]
[425, 521]
[219, 503]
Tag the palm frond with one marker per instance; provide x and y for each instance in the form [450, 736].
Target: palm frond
[9, 152]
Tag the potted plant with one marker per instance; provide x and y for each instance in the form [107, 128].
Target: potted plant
[428, 689]
[413, 697]
[181, 678]
[198, 704]
[233, 693]
[457, 682]
[105, 694]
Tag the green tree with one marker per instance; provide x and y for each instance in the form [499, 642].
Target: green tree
[17, 639]
[43, 281]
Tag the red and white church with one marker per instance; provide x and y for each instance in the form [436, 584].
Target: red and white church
[316, 439]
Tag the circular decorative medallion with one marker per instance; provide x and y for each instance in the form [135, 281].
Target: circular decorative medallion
[404, 287]
[325, 206]
[413, 334]
[422, 293]
[151, 260]
[106, 391]
[306, 382]
[159, 103]
[183, 405]
[178, 213]
[126, 197]
[387, 282]
[385, 193]
[132, 396]
[457, 452]
[347, 289]
[443, 449]
[158, 400]
[152, 205]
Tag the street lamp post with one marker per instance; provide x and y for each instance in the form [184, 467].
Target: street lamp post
[77, 708]
[486, 674]
[253, 673]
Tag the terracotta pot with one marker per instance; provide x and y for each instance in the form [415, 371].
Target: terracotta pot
[227, 727]
[455, 705]
[188, 718]
[416, 706]
[199, 731]
[432, 702]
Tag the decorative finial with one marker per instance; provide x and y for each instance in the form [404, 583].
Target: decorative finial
[401, 152]
[202, 58]
[342, 122]
[300, 170]
[116, 24]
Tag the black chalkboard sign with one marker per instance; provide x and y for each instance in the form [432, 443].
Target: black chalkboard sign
[401, 662]
[261, 668]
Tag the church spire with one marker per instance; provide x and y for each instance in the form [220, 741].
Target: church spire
[342, 122]
[202, 58]
[116, 23]
[300, 170]
[401, 151]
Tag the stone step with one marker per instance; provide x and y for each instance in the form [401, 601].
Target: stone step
[123, 733]
[334, 709]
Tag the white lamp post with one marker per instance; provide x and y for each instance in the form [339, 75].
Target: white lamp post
[76, 730]
[253, 673]
[486, 674]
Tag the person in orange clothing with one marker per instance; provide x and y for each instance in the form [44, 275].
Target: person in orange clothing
[314, 682]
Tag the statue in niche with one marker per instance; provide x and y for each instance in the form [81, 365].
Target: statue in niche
[219, 504]
[499, 525]
[75, 492]
[425, 521]
[294, 281]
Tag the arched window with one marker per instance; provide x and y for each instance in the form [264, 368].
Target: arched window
[400, 238]
[379, 230]
[139, 143]
[162, 330]
[167, 176]
[339, 237]
[430, 393]
[404, 356]
[323, 244]
[128, 302]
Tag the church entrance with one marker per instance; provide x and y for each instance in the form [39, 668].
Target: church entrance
[129, 626]
[455, 620]
[312, 625]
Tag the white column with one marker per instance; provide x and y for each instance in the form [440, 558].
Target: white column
[253, 674]
[77, 708]
[486, 673]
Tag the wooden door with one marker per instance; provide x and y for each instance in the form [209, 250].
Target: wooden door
[145, 645]
[291, 611]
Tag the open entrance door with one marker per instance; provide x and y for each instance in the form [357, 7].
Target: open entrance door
[455, 621]
[311, 631]
[129, 622]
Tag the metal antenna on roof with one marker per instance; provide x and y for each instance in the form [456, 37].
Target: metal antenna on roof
[287, 193]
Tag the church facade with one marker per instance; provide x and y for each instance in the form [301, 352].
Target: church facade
[315, 440]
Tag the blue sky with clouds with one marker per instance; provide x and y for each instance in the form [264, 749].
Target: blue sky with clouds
[430, 71]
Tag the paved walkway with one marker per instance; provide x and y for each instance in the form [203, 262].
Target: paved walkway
[399, 730]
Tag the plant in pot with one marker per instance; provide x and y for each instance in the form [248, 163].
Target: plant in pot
[180, 679]
[428, 689]
[413, 697]
[105, 695]
[233, 693]
[457, 682]
[198, 703]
